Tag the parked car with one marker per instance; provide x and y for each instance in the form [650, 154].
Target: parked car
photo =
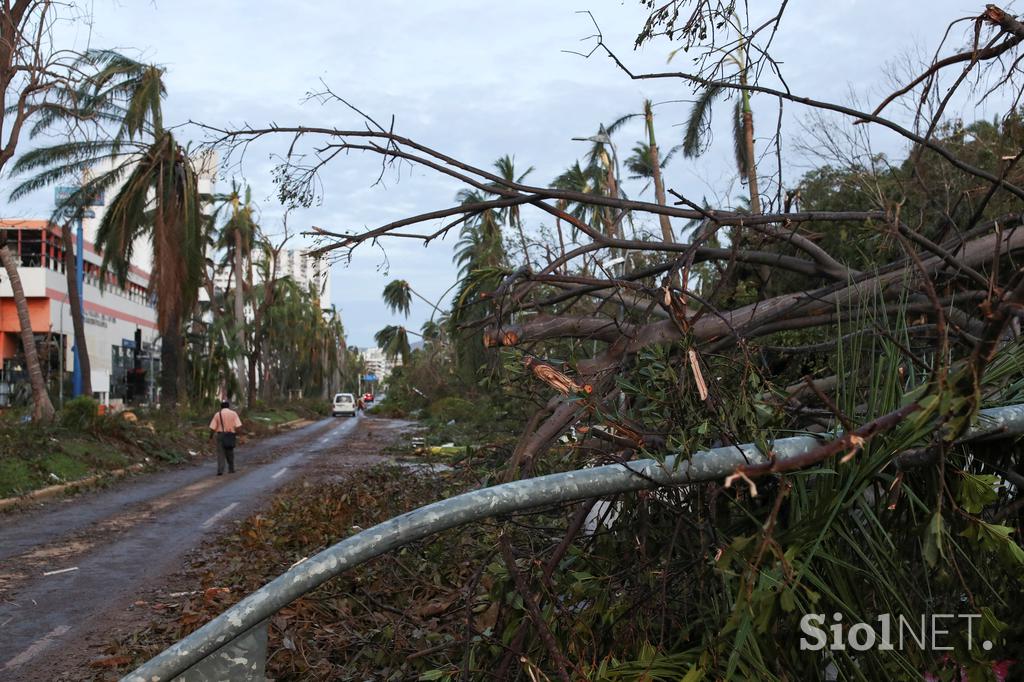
[367, 397]
[344, 403]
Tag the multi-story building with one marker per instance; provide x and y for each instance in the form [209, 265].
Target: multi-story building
[377, 363]
[307, 270]
[114, 316]
[297, 264]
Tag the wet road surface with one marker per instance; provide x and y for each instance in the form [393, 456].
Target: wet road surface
[66, 564]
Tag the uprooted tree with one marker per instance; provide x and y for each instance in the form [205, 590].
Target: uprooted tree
[881, 297]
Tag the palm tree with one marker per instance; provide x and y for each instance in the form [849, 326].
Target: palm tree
[432, 332]
[480, 243]
[646, 162]
[394, 341]
[42, 407]
[511, 215]
[398, 297]
[156, 195]
[742, 123]
[172, 220]
[598, 177]
[236, 238]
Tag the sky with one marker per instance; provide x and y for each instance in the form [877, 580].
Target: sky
[477, 81]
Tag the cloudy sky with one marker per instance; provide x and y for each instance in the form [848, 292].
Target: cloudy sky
[476, 80]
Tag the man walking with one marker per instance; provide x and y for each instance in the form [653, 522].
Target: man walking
[224, 426]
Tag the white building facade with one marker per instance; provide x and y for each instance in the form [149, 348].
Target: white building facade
[377, 363]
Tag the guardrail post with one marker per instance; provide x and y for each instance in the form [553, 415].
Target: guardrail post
[243, 659]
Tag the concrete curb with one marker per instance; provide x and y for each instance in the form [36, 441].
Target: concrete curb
[53, 490]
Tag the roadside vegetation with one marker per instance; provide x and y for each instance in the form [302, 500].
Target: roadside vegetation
[81, 443]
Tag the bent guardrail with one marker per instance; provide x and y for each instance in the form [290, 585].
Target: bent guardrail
[248, 617]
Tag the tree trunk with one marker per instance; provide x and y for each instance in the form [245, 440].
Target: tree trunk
[239, 317]
[611, 229]
[42, 408]
[170, 362]
[253, 370]
[763, 271]
[659, 185]
[748, 141]
[71, 272]
[561, 243]
[522, 235]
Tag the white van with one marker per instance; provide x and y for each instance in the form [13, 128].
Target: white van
[344, 403]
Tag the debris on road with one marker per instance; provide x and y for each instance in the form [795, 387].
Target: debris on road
[61, 570]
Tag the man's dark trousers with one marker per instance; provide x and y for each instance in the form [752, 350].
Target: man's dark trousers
[225, 455]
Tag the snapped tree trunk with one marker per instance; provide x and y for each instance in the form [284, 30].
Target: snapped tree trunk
[748, 142]
[74, 300]
[42, 408]
[763, 271]
[659, 185]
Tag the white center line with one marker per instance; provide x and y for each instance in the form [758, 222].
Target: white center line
[36, 647]
[213, 519]
[280, 472]
[62, 570]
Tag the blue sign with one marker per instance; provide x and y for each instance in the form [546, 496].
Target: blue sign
[370, 377]
[63, 193]
[127, 343]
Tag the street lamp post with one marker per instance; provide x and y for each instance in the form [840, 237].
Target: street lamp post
[70, 199]
[76, 377]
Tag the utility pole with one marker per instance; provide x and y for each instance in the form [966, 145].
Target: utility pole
[76, 376]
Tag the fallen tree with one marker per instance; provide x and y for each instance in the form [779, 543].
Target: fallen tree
[891, 290]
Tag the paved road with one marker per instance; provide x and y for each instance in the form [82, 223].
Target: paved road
[125, 536]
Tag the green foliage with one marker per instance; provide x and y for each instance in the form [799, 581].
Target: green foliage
[82, 443]
[394, 341]
[398, 296]
[446, 409]
[79, 413]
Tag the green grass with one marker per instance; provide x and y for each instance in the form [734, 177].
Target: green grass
[64, 467]
[101, 455]
[16, 477]
[34, 456]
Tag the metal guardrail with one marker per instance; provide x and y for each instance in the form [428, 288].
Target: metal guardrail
[215, 651]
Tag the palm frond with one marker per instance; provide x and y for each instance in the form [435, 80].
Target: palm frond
[398, 296]
[698, 121]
